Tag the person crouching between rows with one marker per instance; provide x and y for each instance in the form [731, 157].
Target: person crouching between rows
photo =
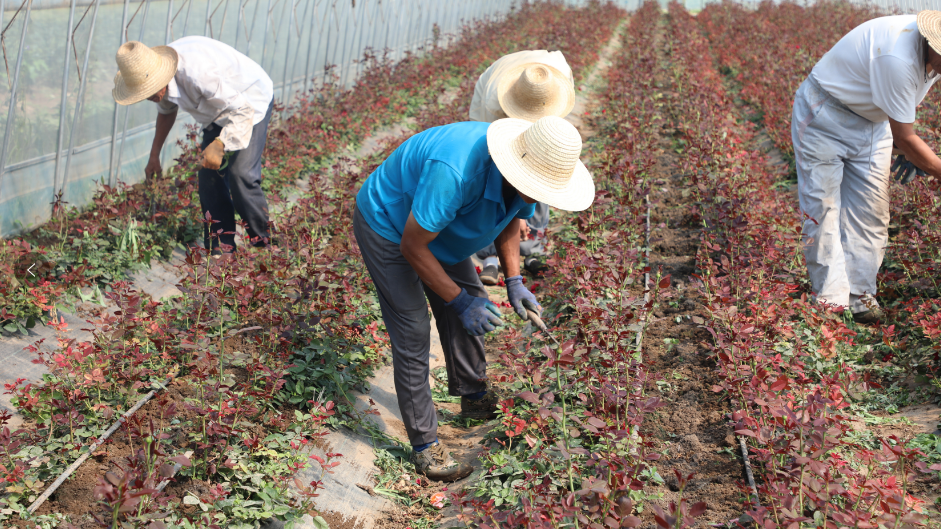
[438, 198]
[529, 84]
[231, 96]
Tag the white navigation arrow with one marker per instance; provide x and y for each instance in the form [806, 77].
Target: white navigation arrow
[30, 269]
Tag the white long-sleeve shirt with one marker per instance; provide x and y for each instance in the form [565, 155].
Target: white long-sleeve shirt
[485, 106]
[215, 83]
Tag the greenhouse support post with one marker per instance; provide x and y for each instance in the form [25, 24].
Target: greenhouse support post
[274, 46]
[63, 102]
[385, 25]
[127, 112]
[310, 47]
[360, 49]
[79, 103]
[113, 172]
[208, 11]
[347, 39]
[267, 28]
[11, 111]
[287, 86]
[238, 24]
[356, 57]
[297, 52]
[287, 55]
[326, 53]
[166, 39]
[186, 18]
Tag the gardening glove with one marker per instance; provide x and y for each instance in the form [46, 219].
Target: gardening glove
[212, 154]
[478, 315]
[905, 170]
[521, 298]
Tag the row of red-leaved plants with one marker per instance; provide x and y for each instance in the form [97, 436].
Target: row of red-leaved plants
[768, 339]
[262, 343]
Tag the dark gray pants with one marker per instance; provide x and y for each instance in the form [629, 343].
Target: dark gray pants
[405, 313]
[236, 188]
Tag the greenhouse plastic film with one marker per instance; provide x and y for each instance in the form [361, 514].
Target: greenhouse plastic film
[292, 39]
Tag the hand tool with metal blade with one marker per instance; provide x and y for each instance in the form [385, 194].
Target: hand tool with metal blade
[537, 321]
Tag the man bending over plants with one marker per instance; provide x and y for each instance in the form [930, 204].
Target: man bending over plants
[231, 96]
[437, 199]
[858, 99]
[524, 85]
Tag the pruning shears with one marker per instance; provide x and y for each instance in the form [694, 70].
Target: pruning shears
[537, 321]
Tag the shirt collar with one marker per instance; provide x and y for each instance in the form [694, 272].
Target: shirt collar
[494, 189]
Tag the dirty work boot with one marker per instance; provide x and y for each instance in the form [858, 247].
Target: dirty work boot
[482, 408]
[436, 464]
[869, 317]
[534, 265]
[490, 275]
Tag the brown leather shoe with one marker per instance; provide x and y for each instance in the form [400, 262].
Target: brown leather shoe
[483, 408]
[436, 464]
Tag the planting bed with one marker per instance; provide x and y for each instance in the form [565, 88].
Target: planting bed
[680, 299]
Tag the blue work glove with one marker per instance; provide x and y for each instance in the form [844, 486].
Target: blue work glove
[905, 170]
[478, 315]
[521, 298]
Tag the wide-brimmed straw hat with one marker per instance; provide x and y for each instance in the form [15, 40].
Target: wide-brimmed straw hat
[541, 161]
[535, 90]
[142, 71]
[929, 25]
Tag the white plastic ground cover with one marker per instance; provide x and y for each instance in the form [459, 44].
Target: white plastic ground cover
[16, 360]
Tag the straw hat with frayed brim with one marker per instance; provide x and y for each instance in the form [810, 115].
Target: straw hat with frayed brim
[929, 25]
[142, 71]
[541, 161]
[535, 90]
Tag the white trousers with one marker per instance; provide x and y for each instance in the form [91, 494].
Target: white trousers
[843, 184]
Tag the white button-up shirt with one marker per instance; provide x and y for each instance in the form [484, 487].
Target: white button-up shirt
[485, 105]
[215, 83]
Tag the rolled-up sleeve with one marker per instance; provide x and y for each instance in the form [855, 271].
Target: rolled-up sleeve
[166, 107]
[235, 114]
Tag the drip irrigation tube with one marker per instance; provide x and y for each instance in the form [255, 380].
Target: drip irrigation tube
[748, 473]
[114, 427]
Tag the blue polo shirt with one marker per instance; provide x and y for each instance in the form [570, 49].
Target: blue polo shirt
[447, 180]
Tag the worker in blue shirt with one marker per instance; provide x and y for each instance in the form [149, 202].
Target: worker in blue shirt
[441, 196]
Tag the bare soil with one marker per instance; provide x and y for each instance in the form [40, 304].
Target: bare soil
[75, 497]
[691, 428]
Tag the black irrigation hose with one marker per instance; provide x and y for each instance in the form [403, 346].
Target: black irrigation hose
[114, 427]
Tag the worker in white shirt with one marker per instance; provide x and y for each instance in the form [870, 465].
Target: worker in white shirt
[231, 96]
[525, 85]
[859, 98]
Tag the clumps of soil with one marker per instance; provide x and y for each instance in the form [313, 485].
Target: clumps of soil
[691, 429]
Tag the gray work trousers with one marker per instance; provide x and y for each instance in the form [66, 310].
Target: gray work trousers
[235, 189]
[405, 313]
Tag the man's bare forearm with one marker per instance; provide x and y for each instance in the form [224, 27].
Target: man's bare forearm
[414, 247]
[508, 249]
[164, 124]
[916, 150]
